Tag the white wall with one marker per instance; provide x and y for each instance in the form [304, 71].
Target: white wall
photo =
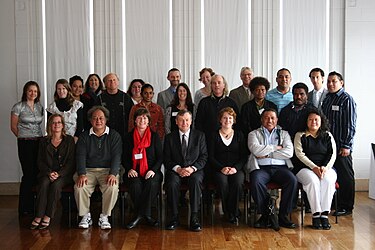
[359, 78]
[9, 167]
[278, 37]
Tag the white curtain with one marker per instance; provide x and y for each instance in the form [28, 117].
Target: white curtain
[226, 38]
[67, 40]
[147, 41]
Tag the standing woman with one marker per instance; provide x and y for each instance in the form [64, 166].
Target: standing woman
[181, 101]
[76, 84]
[70, 109]
[227, 154]
[315, 149]
[143, 157]
[134, 90]
[205, 77]
[56, 167]
[26, 124]
[93, 88]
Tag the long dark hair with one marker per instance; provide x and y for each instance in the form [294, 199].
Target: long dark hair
[87, 84]
[176, 101]
[26, 87]
[324, 124]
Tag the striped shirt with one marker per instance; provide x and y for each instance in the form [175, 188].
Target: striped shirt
[340, 109]
[280, 99]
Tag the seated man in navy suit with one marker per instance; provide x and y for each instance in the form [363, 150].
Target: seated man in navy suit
[185, 155]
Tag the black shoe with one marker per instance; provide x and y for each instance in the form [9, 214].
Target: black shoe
[173, 224]
[134, 222]
[325, 223]
[195, 225]
[262, 222]
[285, 222]
[274, 224]
[151, 221]
[307, 210]
[342, 212]
[316, 223]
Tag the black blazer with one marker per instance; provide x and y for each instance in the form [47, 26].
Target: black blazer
[154, 153]
[196, 151]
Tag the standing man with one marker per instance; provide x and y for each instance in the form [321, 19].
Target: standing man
[98, 159]
[117, 102]
[293, 116]
[271, 150]
[242, 94]
[282, 94]
[317, 95]
[165, 97]
[340, 109]
[156, 112]
[185, 155]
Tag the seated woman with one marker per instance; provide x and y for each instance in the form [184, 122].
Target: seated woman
[227, 154]
[143, 157]
[181, 101]
[56, 164]
[315, 149]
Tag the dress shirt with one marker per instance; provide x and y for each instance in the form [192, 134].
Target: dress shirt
[187, 134]
[271, 138]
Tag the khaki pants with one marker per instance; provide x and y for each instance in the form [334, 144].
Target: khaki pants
[96, 176]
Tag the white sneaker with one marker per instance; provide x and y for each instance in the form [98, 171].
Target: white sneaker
[103, 222]
[86, 221]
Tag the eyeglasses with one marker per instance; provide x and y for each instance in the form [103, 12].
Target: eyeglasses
[57, 123]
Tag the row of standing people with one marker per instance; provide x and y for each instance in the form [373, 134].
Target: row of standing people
[218, 91]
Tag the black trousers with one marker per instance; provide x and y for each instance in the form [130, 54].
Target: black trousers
[230, 188]
[173, 182]
[144, 192]
[27, 154]
[280, 175]
[345, 178]
[49, 193]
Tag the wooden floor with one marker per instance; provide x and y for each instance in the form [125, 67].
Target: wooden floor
[352, 232]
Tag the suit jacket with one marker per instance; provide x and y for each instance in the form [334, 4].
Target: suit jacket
[165, 98]
[196, 150]
[310, 97]
[240, 96]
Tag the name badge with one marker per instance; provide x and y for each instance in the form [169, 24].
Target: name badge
[174, 113]
[261, 111]
[138, 156]
[335, 108]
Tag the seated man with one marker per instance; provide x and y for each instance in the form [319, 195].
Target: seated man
[271, 150]
[98, 159]
[185, 155]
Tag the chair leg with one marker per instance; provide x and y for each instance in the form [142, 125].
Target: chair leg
[302, 205]
[245, 204]
[337, 193]
[202, 211]
[69, 211]
[212, 209]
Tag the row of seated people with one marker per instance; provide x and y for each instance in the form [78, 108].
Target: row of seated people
[97, 157]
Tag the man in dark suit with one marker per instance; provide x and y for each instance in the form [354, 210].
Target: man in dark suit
[185, 155]
[317, 95]
[242, 94]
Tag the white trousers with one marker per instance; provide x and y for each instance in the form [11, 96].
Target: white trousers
[96, 176]
[319, 191]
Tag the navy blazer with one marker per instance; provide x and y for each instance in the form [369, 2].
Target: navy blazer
[196, 151]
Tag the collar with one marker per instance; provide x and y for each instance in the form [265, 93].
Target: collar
[338, 93]
[318, 91]
[186, 134]
[106, 131]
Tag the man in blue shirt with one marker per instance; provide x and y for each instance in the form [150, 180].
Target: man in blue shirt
[282, 94]
[340, 109]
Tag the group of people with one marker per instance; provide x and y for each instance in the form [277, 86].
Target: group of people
[282, 135]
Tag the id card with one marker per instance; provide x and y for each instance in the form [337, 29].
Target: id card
[335, 108]
[174, 113]
[138, 156]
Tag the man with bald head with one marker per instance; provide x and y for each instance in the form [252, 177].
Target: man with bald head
[117, 102]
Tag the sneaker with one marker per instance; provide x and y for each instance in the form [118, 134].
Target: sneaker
[86, 221]
[103, 222]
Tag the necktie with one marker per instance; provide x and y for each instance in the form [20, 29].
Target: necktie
[184, 145]
[248, 92]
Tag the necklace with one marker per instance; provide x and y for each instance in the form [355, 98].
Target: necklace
[226, 135]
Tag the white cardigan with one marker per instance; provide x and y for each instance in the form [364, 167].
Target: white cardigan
[258, 148]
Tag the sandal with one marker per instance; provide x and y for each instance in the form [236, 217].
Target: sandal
[44, 225]
[34, 224]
